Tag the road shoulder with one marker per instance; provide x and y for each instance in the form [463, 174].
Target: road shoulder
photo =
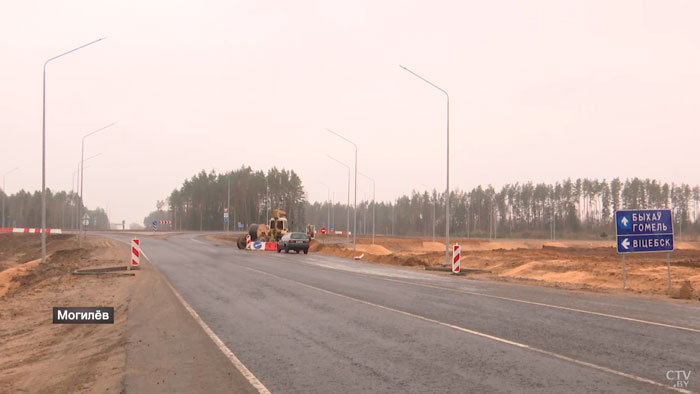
[167, 350]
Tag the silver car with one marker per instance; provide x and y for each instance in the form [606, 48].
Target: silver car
[294, 241]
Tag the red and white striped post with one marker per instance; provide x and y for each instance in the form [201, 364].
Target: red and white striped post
[135, 253]
[247, 241]
[456, 257]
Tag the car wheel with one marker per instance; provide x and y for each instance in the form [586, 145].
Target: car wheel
[298, 251]
[286, 249]
[306, 251]
[278, 250]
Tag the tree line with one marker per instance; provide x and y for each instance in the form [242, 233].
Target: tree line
[23, 209]
[564, 209]
[249, 195]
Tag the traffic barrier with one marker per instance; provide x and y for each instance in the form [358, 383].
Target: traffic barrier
[257, 245]
[264, 246]
[247, 241]
[135, 253]
[29, 230]
[456, 257]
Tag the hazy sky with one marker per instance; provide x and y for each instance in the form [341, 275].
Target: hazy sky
[540, 90]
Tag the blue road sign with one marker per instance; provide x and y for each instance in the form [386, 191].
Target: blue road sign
[644, 231]
[155, 222]
[240, 225]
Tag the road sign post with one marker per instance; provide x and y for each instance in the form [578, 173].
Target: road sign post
[644, 231]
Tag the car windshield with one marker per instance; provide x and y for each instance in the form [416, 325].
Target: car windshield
[298, 236]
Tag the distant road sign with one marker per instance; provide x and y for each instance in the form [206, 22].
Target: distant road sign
[240, 225]
[644, 230]
[155, 223]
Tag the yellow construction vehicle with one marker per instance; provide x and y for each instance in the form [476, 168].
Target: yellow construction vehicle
[260, 232]
[278, 224]
[311, 231]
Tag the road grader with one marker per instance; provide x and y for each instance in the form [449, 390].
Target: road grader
[271, 232]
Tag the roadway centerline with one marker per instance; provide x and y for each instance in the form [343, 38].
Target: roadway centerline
[611, 316]
[481, 334]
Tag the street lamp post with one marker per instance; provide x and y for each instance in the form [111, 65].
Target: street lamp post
[82, 163]
[43, 150]
[4, 193]
[75, 185]
[347, 225]
[426, 187]
[374, 203]
[228, 204]
[354, 226]
[329, 206]
[447, 188]
[267, 202]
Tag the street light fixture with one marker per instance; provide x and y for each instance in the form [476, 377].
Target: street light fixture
[4, 193]
[82, 161]
[354, 226]
[347, 226]
[43, 150]
[374, 203]
[447, 188]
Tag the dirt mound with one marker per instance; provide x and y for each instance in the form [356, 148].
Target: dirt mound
[686, 291]
[60, 263]
[373, 249]
[69, 358]
[21, 248]
[6, 277]
[575, 264]
[383, 258]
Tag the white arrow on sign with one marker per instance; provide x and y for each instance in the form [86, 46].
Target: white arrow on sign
[624, 221]
[625, 243]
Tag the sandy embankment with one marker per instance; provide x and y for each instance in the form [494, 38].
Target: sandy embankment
[38, 356]
[593, 265]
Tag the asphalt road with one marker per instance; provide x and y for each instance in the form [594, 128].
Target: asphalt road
[319, 324]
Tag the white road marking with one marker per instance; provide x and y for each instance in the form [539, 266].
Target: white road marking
[199, 242]
[254, 381]
[379, 277]
[484, 335]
